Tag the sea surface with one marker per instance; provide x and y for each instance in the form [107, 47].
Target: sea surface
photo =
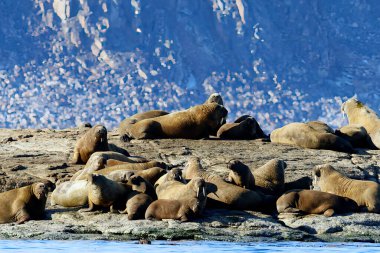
[42, 246]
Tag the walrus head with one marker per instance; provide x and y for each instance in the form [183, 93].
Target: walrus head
[100, 134]
[237, 166]
[175, 174]
[138, 183]
[216, 117]
[95, 178]
[199, 186]
[40, 190]
[215, 98]
[192, 167]
[319, 172]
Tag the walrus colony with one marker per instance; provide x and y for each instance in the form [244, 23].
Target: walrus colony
[114, 181]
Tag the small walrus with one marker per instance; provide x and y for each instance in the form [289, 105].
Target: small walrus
[182, 210]
[179, 209]
[126, 124]
[197, 122]
[360, 114]
[314, 202]
[365, 193]
[93, 140]
[240, 175]
[221, 193]
[105, 193]
[244, 129]
[139, 198]
[356, 135]
[314, 135]
[70, 194]
[259, 132]
[270, 178]
[24, 203]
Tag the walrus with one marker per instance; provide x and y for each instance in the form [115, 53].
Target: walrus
[356, 135]
[300, 183]
[270, 178]
[173, 174]
[259, 132]
[223, 194]
[98, 161]
[93, 140]
[365, 193]
[197, 122]
[105, 193]
[240, 175]
[70, 194]
[313, 136]
[136, 205]
[113, 162]
[141, 185]
[174, 189]
[23, 204]
[126, 124]
[186, 207]
[182, 210]
[127, 166]
[151, 175]
[214, 98]
[314, 202]
[360, 114]
[244, 130]
[138, 200]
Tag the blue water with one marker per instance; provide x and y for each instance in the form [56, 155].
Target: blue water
[31, 246]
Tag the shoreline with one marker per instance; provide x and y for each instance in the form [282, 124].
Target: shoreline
[29, 154]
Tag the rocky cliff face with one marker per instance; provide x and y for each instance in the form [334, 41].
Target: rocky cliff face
[28, 155]
[70, 61]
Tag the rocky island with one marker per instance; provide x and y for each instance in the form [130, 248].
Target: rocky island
[28, 155]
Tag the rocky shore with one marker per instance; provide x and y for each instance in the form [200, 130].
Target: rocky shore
[30, 154]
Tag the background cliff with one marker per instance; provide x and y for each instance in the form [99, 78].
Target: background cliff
[70, 61]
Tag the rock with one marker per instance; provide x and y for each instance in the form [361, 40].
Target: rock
[46, 156]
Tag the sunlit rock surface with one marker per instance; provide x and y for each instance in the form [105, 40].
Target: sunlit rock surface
[28, 155]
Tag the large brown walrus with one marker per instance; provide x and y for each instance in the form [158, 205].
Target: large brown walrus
[314, 135]
[360, 114]
[95, 139]
[197, 122]
[365, 193]
[24, 203]
[314, 202]
[221, 193]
